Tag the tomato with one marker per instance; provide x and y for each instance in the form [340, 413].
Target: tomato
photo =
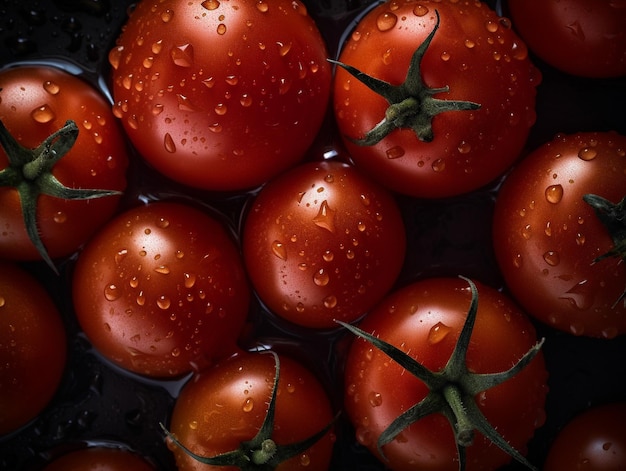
[224, 408]
[586, 38]
[161, 290]
[450, 118]
[45, 211]
[547, 239]
[33, 347]
[99, 458]
[424, 320]
[323, 242]
[594, 440]
[221, 95]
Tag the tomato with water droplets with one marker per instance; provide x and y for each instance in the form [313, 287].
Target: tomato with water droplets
[323, 242]
[161, 290]
[221, 94]
[58, 138]
[559, 233]
[465, 413]
[444, 100]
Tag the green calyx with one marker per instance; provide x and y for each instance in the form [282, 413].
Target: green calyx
[30, 173]
[452, 390]
[411, 104]
[613, 217]
[261, 453]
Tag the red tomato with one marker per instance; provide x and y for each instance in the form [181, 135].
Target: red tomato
[33, 347]
[424, 320]
[580, 37]
[99, 458]
[592, 441]
[323, 242]
[161, 290]
[547, 238]
[225, 406]
[426, 150]
[37, 102]
[221, 95]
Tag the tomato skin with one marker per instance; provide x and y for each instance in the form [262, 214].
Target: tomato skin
[33, 347]
[161, 290]
[586, 38]
[99, 458]
[470, 148]
[226, 404]
[32, 108]
[594, 440]
[323, 242]
[424, 319]
[546, 237]
[231, 115]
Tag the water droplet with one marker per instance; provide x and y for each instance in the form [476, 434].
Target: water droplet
[283, 49]
[245, 100]
[464, 147]
[168, 143]
[328, 256]
[445, 56]
[167, 15]
[190, 280]
[111, 292]
[587, 154]
[321, 277]
[221, 109]
[420, 10]
[60, 217]
[221, 29]
[325, 217]
[517, 260]
[51, 87]
[581, 295]
[554, 194]
[439, 165]
[182, 56]
[469, 44]
[395, 152]
[526, 231]
[279, 249]
[115, 55]
[262, 6]
[305, 459]
[375, 398]
[330, 302]
[141, 299]
[386, 21]
[552, 258]
[211, 4]
[248, 404]
[491, 26]
[43, 114]
[437, 333]
[162, 269]
[163, 302]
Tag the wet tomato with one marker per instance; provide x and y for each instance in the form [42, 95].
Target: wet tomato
[323, 242]
[33, 347]
[444, 100]
[561, 259]
[161, 290]
[221, 95]
[58, 139]
[99, 458]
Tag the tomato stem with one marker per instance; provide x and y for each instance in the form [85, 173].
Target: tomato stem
[412, 104]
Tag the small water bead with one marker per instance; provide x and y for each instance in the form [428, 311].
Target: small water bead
[182, 56]
[163, 302]
[330, 302]
[262, 6]
[321, 277]
[111, 292]
[60, 217]
[420, 10]
[437, 333]
[386, 21]
[168, 143]
[210, 4]
[248, 404]
[43, 114]
[587, 154]
[51, 87]
[491, 26]
[554, 194]
[439, 165]
[445, 56]
[167, 15]
[279, 249]
[221, 29]
[375, 399]
[395, 152]
[552, 258]
[470, 44]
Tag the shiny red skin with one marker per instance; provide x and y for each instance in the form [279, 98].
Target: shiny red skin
[226, 405]
[546, 237]
[161, 290]
[322, 243]
[424, 320]
[478, 56]
[221, 95]
[99, 459]
[32, 108]
[586, 38]
[594, 440]
[33, 347]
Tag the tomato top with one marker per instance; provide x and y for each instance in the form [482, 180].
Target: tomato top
[221, 95]
[474, 57]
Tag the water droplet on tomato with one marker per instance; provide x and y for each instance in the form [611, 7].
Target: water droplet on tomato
[330, 302]
[248, 404]
[221, 109]
[162, 269]
[420, 10]
[491, 26]
[517, 261]
[321, 277]
[552, 258]
[325, 217]
[386, 21]
[283, 48]
[168, 143]
[554, 194]
[464, 147]
[305, 459]
[164, 302]
[375, 398]
[221, 29]
[189, 280]
[445, 56]
[364, 436]
[60, 217]
[167, 16]
[526, 231]
[470, 44]
[183, 55]
[43, 114]
[262, 6]
[279, 249]
[111, 292]
[437, 333]
[395, 152]
[211, 4]
[439, 165]
[581, 295]
[328, 256]
[587, 154]
[245, 100]
[141, 299]
[51, 87]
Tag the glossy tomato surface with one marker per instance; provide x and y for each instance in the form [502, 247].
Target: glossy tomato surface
[33, 348]
[225, 406]
[322, 243]
[547, 238]
[221, 95]
[474, 53]
[99, 458]
[36, 102]
[161, 290]
[424, 319]
[580, 37]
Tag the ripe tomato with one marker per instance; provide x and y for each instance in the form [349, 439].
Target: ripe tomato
[424, 320]
[594, 440]
[323, 242]
[33, 347]
[221, 95]
[225, 406]
[547, 238]
[161, 290]
[99, 458]
[426, 148]
[39, 217]
[580, 37]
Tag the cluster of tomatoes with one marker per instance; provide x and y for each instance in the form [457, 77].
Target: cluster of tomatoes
[273, 234]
